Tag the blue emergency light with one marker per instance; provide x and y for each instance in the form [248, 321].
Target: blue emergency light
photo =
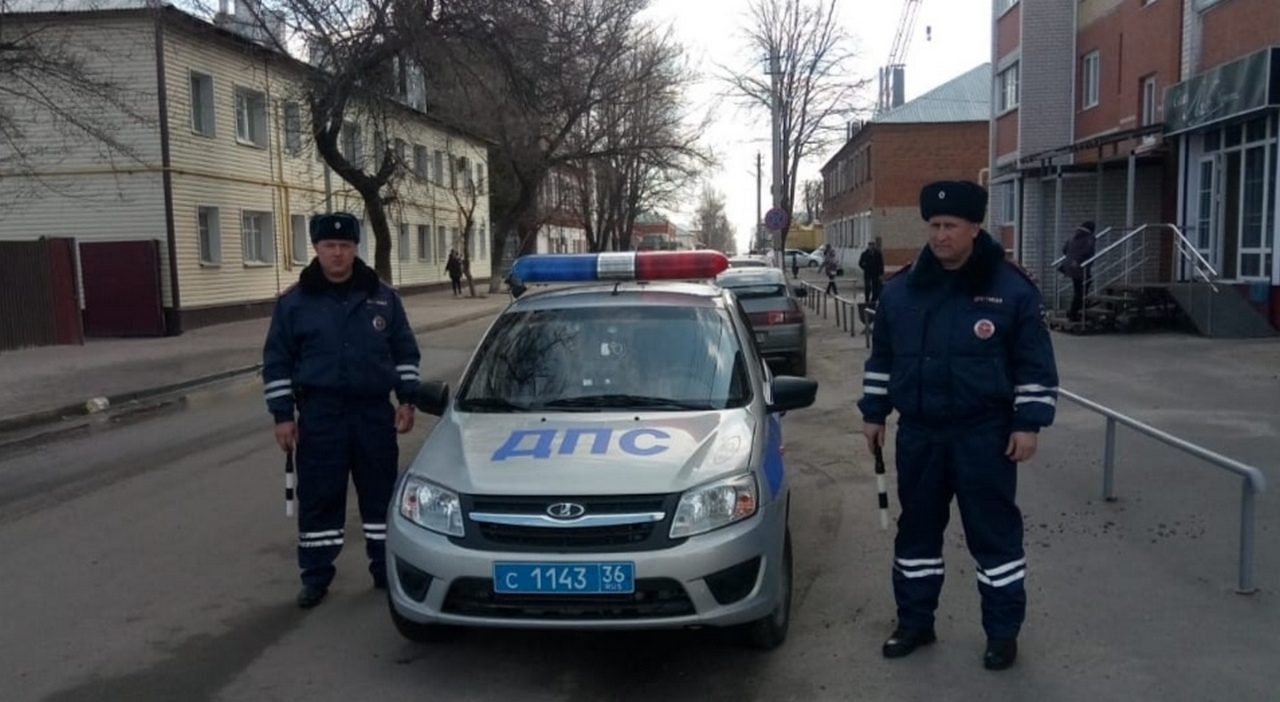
[618, 265]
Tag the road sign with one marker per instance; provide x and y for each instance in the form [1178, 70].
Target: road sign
[775, 219]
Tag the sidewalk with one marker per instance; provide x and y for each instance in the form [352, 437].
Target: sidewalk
[49, 383]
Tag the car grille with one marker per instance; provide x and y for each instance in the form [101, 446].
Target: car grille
[653, 598]
[645, 536]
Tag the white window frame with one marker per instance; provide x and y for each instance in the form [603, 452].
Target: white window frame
[350, 143]
[438, 168]
[208, 236]
[1008, 204]
[442, 241]
[251, 117]
[403, 249]
[257, 237]
[1007, 82]
[1150, 100]
[1090, 79]
[301, 238]
[204, 121]
[1005, 5]
[292, 115]
[424, 242]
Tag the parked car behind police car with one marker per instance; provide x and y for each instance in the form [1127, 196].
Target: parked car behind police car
[612, 460]
[776, 317]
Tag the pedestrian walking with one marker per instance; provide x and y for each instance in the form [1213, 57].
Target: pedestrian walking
[961, 352]
[454, 268]
[338, 347]
[830, 266]
[872, 264]
[1076, 251]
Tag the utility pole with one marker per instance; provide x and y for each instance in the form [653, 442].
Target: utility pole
[775, 105]
[755, 244]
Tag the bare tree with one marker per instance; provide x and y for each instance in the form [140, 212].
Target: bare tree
[809, 57]
[49, 77]
[465, 187]
[813, 196]
[717, 233]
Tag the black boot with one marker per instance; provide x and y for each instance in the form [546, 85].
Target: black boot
[1001, 653]
[310, 596]
[904, 641]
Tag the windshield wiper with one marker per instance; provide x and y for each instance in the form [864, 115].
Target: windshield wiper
[490, 404]
[624, 401]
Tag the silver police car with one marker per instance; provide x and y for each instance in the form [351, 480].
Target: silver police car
[612, 459]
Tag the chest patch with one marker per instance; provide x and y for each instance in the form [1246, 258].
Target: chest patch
[984, 329]
[379, 323]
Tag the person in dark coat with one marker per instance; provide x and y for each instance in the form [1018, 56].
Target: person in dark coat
[338, 347]
[1078, 249]
[961, 351]
[454, 268]
[872, 264]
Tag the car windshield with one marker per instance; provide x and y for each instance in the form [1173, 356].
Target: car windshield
[597, 358]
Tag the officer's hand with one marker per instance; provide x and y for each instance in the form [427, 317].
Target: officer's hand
[874, 434]
[404, 419]
[1022, 446]
[287, 435]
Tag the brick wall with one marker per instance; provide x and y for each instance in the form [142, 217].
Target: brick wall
[1008, 30]
[1133, 41]
[1236, 28]
[1047, 71]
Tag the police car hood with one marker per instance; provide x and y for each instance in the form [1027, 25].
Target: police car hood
[585, 454]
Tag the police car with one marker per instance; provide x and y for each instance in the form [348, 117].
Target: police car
[612, 459]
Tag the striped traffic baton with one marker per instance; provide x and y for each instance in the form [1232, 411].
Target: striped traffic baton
[289, 483]
[884, 492]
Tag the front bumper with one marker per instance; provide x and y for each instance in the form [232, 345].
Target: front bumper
[722, 578]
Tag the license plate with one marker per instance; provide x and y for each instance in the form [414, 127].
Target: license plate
[565, 578]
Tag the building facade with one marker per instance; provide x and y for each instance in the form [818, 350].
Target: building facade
[871, 186]
[220, 188]
[1137, 115]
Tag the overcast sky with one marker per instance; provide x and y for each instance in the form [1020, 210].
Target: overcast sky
[712, 30]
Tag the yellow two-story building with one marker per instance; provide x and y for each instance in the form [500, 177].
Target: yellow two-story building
[205, 218]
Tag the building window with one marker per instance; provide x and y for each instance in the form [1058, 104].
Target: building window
[209, 234]
[402, 243]
[257, 237]
[251, 117]
[1089, 69]
[438, 169]
[1008, 204]
[442, 241]
[350, 143]
[202, 120]
[420, 161]
[1007, 83]
[424, 242]
[480, 176]
[482, 241]
[293, 128]
[1005, 5]
[301, 238]
[1149, 100]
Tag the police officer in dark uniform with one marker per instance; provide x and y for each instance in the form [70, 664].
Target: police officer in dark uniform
[960, 350]
[339, 345]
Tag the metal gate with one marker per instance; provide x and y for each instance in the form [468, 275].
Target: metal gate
[121, 282]
[40, 307]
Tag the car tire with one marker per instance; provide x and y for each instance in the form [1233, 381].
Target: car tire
[769, 632]
[813, 264]
[417, 632]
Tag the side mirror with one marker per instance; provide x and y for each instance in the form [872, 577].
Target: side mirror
[791, 392]
[432, 397]
[802, 291]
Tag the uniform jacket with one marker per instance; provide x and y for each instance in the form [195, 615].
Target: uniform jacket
[363, 347]
[961, 348]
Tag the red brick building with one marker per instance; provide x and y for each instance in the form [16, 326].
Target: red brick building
[872, 184]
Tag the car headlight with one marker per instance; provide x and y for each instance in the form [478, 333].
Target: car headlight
[716, 505]
[431, 506]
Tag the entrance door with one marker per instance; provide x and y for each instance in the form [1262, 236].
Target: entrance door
[1208, 234]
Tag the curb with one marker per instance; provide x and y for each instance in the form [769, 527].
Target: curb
[80, 409]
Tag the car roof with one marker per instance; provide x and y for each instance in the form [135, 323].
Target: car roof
[751, 276]
[623, 293]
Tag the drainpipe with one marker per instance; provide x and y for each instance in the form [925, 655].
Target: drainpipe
[173, 325]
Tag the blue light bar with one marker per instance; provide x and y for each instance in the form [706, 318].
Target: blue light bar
[618, 265]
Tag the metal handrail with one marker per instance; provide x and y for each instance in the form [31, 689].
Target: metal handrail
[1254, 481]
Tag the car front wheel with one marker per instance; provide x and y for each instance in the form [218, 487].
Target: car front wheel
[770, 632]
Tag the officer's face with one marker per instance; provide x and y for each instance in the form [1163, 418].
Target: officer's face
[337, 257]
[951, 239]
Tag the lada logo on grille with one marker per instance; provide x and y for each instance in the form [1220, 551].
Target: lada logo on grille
[566, 510]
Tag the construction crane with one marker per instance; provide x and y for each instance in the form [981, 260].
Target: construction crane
[892, 87]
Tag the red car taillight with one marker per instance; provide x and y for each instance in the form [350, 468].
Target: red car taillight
[792, 315]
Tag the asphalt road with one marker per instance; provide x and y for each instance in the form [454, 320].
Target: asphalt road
[148, 558]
